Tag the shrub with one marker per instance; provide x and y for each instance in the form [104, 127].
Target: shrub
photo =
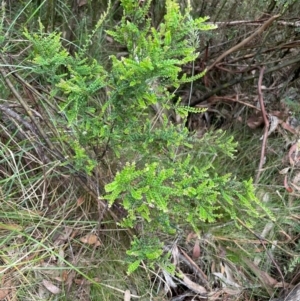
[167, 177]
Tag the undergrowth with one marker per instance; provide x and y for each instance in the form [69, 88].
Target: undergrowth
[104, 153]
[162, 185]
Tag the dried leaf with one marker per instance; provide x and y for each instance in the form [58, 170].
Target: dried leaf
[80, 201]
[90, 239]
[284, 171]
[4, 292]
[192, 285]
[255, 121]
[274, 121]
[226, 282]
[127, 295]
[168, 281]
[196, 250]
[51, 287]
[286, 185]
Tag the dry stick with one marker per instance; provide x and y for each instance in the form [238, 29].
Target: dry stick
[16, 117]
[233, 100]
[26, 108]
[243, 79]
[292, 44]
[253, 23]
[191, 263]
[266, 121]
[239, 22]
[244, 42]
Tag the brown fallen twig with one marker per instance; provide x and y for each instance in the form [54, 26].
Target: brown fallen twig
[242, 79]
[244, 42]
[266, 121]
[253, 23]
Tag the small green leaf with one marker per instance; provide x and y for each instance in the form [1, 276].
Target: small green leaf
[136, 194]
[111, 186]
[133, 266]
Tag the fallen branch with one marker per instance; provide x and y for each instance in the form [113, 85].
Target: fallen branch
[243, 79]
[244, 42]
[26, 107]
[254, 23]
[266, 122]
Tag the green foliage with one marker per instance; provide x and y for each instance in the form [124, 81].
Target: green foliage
[141, 249]
[84, 81]
[97, 27]
[171, 178]
[183, 111]
[154, 54]
[184, 192]
[48, 55]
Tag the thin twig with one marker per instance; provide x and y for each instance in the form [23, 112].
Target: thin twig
[242, 79]
[26, 107]
[244, 42]
[266, 121]
[16, 117]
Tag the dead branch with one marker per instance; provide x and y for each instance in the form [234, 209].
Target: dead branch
[291, 24]
[244, 42]
[26, 107]
[254, 23]
[289, 45]
[14, 116]
[243, 79]
[239, 22]
[266, 121]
